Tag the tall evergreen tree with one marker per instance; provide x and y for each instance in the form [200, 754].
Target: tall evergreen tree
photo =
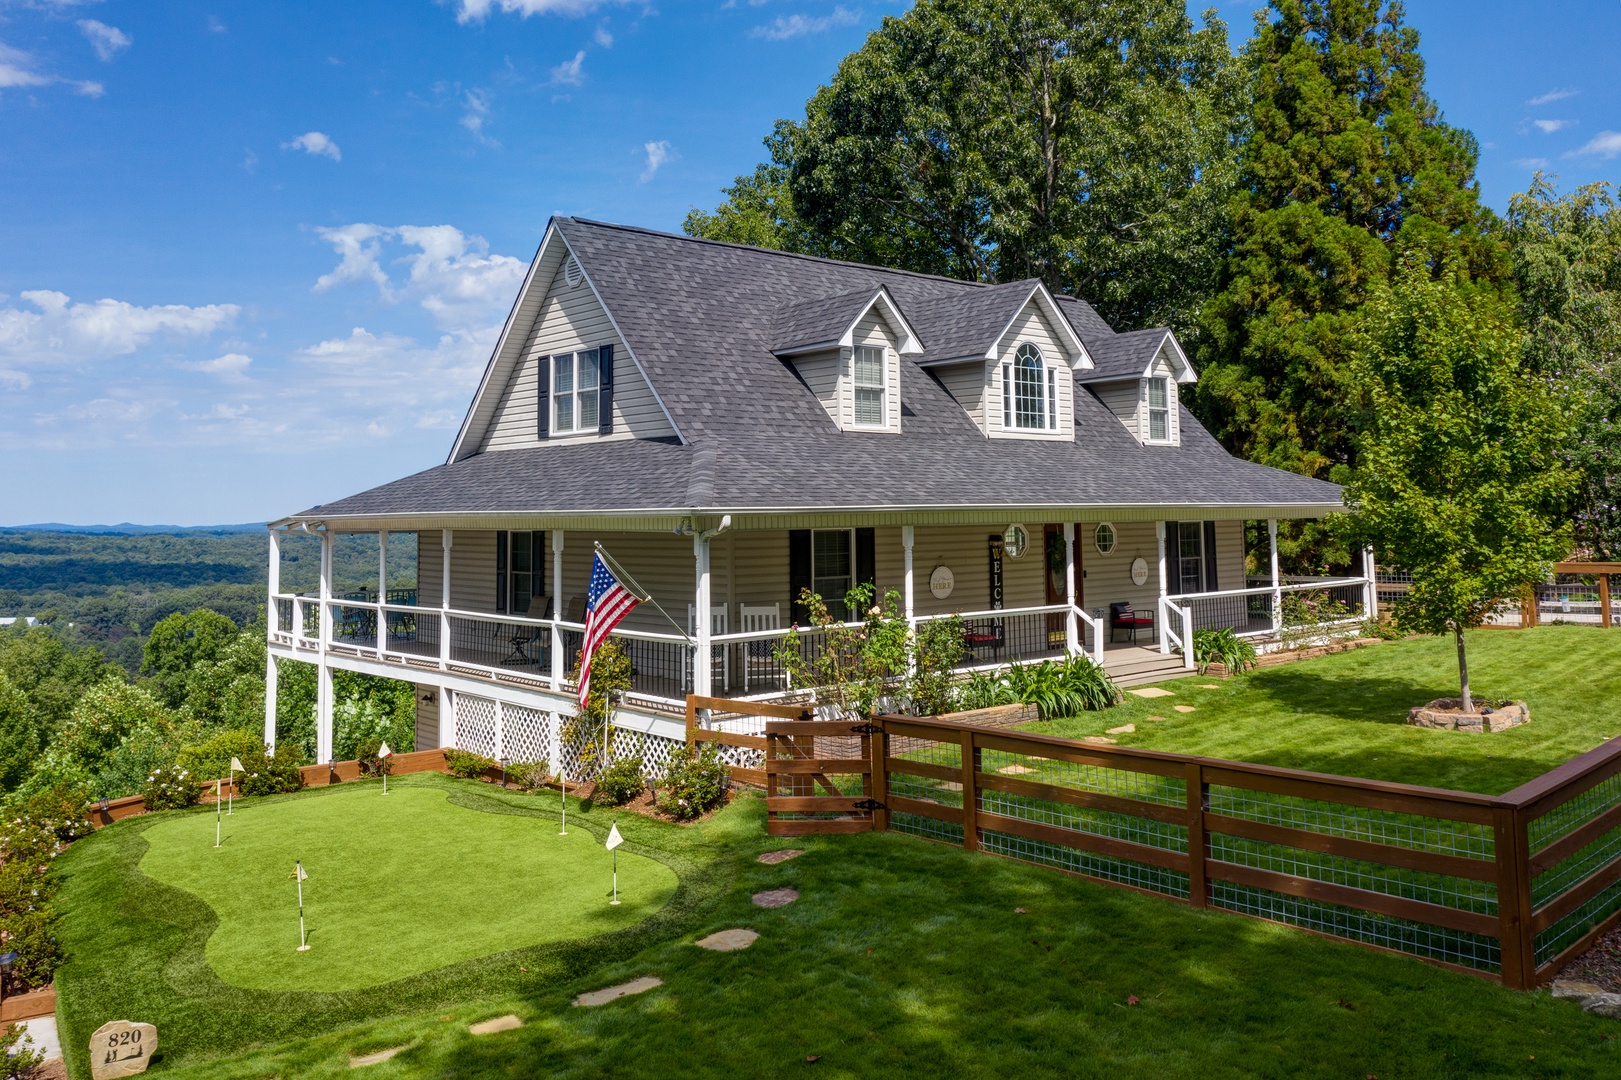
[1347, 164]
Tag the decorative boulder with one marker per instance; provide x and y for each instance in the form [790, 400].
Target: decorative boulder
[1447, 714]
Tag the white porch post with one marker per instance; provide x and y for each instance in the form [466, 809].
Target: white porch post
[382, 592]
[272, 627]
[323, 692]
[701, 667]
[1072, 624]
[270, 702]
[1164, 611]
[447, 717]
[557, 612]
[447, 537]
[1277, 589]
[1370, 601]
[908, 536]
[275, 580]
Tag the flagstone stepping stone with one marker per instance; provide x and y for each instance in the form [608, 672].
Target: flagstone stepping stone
[1183, 708]
[772, 858]
[1123, 729]
[1152, 692]
[508, 1022]
[1209, 686]
[1098, 740]
[378, 1058]
[774, 898]
[614, 993]
[728, 940]
[1015, 770]
[1153, 718]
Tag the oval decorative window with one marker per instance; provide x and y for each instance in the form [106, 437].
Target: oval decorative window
[1016, 541]
[1104, 538]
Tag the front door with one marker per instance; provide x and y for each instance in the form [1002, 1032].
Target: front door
[1053, 546]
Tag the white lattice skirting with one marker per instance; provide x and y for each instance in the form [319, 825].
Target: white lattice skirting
[520, 733]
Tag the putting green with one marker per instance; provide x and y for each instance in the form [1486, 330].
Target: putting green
[397, 885]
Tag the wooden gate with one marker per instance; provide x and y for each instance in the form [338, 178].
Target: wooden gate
[820, 777]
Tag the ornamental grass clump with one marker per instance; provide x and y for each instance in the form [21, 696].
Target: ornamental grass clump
[1223, 647]
[170, 787]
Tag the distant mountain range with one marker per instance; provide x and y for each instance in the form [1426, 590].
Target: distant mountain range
[131, 529]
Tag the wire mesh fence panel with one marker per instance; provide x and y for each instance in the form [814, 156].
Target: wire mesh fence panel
[475, 725]
[1444, 890]
[1121, 782]
[1149, 832]
[1572, 873]
[1418, 832]
[1092, 864]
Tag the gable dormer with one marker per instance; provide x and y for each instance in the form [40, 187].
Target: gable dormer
[1139, 376]
[1009, 357]
[847, 349]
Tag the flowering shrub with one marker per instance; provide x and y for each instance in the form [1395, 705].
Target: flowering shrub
[366, 756]
[28, 921]
[171, 787]
[272, 774]
[693, 783]
[621, 782]
[62, 809]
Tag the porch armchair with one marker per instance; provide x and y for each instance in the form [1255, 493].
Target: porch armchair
[984, 634]
[1123, 616]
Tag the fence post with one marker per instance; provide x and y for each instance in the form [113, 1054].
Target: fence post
[878, 745]
[1510, 850]
[970, 793]
[1198, 800]
[1604, 600]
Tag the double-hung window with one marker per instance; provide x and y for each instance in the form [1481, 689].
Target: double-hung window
[1159, 411]
[576, 380]
[833, 568]
[519, 571]
[1029, 392]
[871, 404]
[1190, 556]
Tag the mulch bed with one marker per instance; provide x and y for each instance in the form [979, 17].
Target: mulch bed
[1600, 965]
[642, 804]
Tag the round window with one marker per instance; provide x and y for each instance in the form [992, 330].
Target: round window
[1104, 538]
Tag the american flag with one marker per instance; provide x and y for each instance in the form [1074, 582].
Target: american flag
[607, 602]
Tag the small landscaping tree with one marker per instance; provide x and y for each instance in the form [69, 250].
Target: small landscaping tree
[854, 664]
[1460, 477]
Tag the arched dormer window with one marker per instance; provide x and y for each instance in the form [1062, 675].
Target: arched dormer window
[1029, 392]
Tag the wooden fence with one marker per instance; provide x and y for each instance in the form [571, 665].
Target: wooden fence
[1509, 886]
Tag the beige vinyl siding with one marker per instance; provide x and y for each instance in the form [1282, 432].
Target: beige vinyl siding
[427, 718]
[1123, 399]
[472, 569]
[967, 383]
[874, 329]
[966, 550]
[1031, 325]
[571, 319]
[820, 371]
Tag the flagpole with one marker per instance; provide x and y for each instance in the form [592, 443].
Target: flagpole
[615, 900]
[641, 593]
[217, 785]
[230, 797]
[298, 872]
[562, 781]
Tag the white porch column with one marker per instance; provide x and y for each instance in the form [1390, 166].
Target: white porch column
[270, 703]
[382, 592]
[908, 535]
[1072, 624]
[323, 690]
[1277, 590]
[1370, 602]
[557, 610]
[701, 666]
[273, 627]
[447, 717]
[1164, 590]
[447, 537]
[274, 570]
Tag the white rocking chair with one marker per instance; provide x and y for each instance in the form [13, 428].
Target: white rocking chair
[755, 619]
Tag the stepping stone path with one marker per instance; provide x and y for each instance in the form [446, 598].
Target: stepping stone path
[1183, 708]
[1123, 729]
[1015, 770]
[772, 858]
[376, 1059]
[1209, 686]
[1098, 740]
[508, 1022]
[1152, 692]
[614, 993]
[1154, 718]
[775, 898]
[728, 940]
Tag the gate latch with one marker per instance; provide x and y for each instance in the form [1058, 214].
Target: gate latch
[868, 805]
[865, 729]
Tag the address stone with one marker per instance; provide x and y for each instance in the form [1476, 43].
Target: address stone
[121, 1048]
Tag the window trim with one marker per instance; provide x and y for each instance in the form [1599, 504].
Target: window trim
[577, 425]
[1149, 383]
[856, 387]
[1198, 559]
[1114, 537]
[1046, 390]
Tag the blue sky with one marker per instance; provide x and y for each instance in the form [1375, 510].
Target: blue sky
[253, 256]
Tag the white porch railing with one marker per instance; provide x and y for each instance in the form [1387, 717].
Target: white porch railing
[1259, 612]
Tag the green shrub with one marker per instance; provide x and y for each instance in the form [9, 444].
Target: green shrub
[466, 764]
[1063, 687]
[21, 1060]
[211, 758]
[982, 690]
[938, 648]
[1222, 646]
[527, 775]
[366, 755]
[621, 782]
[693, 783]
[171, 787]
[272, 774]
[62, 808]
[28, 885]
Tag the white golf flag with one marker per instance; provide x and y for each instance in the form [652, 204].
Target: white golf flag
[614, 839]
[236, 766]
[302, 875]
[383, 751]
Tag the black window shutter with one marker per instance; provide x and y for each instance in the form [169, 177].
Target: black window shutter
[537, 566]
[605, 395]
[1210, 557]
[799, 573]
[1173, 558]
[867, 559]
[543, 410]
[501, 570]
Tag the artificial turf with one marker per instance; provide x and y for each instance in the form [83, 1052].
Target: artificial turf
[398, 885]
[1347, 713]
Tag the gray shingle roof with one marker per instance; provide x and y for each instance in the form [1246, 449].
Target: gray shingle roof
[1124, 356]
[702, 317]
[818, 321]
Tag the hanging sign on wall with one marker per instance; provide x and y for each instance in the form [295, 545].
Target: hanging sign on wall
[941, 582]
[996, 571]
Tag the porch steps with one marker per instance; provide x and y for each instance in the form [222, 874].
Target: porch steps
[1144, 668]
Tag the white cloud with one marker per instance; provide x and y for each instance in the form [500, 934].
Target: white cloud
[784, 27]
[1552, 96]
[603, 37]
[1548, 127]
[568, 72]
[59, 332]
[1531, 162]
[658, 153]
[450, 274]
[315, 143]
[358, 245]
[478, 10]
[250, 162]
[232, 367]
[477, 115]
[17, 69]
[108, 41]
[1606, 144]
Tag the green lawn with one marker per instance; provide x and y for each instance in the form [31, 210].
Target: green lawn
[398, 885]
[1347, 713]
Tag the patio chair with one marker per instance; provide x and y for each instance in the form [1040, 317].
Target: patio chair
[986, 635]
[755, 619]
[1123, 616]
